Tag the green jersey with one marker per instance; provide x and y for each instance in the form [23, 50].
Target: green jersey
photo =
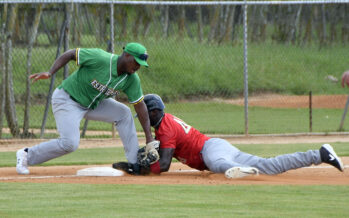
[97, 79]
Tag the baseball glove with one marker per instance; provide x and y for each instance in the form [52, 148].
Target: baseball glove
[145, 159]
[148, 154]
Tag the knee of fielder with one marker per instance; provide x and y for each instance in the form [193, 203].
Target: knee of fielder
[69, 145]
[125, 114]
[127, 122]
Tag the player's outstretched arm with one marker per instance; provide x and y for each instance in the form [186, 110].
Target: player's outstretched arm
[58, 64]
[143, 117]
[166, 155]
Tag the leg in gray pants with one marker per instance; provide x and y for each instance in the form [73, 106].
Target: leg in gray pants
[68, 115]
[219, 155]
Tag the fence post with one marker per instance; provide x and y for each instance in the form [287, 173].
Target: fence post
[2, 67]
[245, 69]
[310, 112]
[344, 115]
[113, 131]
[84, 129]
[67, 14]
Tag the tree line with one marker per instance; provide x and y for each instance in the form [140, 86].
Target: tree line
[302, 24]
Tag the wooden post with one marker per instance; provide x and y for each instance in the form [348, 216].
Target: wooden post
[83, 133]
[53, 77]
[310, 112]
[344, 115]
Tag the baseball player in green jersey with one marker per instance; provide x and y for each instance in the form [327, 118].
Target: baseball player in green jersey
[87, 94]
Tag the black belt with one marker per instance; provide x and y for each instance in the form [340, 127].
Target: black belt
[71, 97]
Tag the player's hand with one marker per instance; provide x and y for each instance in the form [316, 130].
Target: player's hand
[36, 76]
[151, 149]
[345, 79]
[152, 145]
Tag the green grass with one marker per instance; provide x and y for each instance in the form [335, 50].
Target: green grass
[295, 70]
[186, 68]
[222, 118]
[229, 119]
[93, 156]
[81, 200]
[189, 70]
[103, 200]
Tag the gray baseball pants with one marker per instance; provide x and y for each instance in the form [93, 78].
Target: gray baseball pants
[219, 155]
[68, 115]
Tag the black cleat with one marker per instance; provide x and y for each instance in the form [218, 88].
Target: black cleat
[129, 168]
[329, 156]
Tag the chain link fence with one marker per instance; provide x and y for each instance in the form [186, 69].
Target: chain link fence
[196, 61]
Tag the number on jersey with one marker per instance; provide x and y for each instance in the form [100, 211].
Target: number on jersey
[185, 126]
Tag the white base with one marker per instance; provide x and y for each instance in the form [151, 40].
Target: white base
[99, 171]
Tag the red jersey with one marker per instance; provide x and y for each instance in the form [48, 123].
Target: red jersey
[186, 140]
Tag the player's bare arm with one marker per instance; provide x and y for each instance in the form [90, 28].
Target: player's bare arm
[58, 64]
[143, 117]
[166, 155]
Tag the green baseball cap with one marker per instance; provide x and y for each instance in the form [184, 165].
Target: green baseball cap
[138, 51]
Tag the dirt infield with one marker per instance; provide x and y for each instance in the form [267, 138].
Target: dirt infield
[181, 174]
[284, 101]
